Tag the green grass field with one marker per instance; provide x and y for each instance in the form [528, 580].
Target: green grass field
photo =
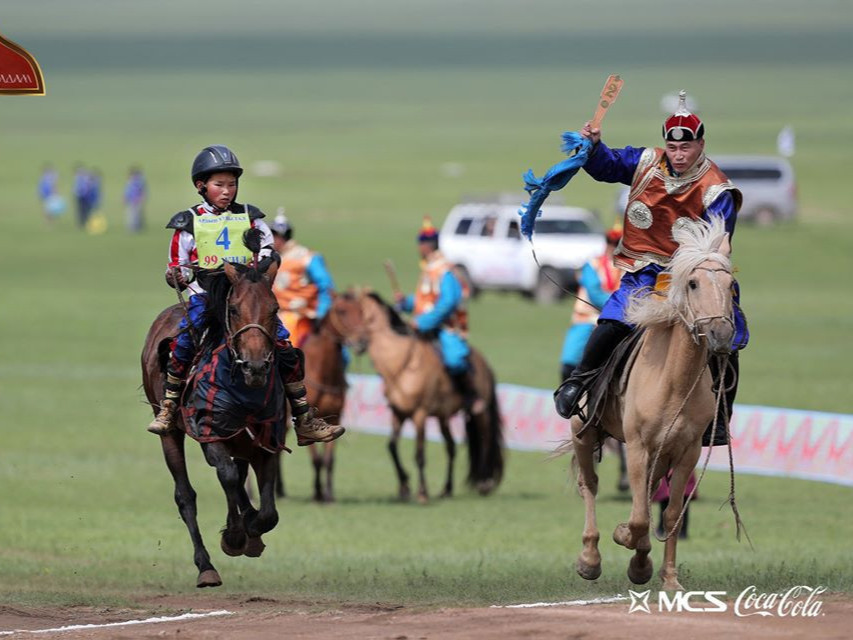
[362, 116]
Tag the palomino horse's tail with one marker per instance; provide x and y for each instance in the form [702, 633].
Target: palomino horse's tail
[485, 442]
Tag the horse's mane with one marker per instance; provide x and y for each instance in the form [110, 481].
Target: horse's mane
[397, 323]
[698, 242]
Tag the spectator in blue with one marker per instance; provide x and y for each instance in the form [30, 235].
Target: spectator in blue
[135, 193]
[52, 203]
[94, 191]
[82, 181]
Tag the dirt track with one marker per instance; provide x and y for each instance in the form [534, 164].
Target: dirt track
[263, 619]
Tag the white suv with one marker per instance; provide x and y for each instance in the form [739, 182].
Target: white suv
[484, 241]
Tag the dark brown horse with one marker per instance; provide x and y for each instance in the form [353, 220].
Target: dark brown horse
[326, 384]
[241, 311]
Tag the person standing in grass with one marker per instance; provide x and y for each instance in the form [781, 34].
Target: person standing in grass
[206, 236]
[669, 186]
[135, 194]
[51, 202]
[81, 189]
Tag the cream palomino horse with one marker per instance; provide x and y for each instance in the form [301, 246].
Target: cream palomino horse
[417, 387]
[667, 400]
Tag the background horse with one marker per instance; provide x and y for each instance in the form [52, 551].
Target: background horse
[248, 299]
[667, 401]
[417, 386]
[326, 385]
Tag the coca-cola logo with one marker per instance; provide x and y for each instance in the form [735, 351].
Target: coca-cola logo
[800, 600]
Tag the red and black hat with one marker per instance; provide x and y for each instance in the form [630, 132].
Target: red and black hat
[428, 232]
[683, 126]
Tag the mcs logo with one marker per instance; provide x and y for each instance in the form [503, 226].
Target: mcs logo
[681, 601]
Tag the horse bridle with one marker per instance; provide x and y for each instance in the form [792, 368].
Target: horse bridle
[231, 338]
[694, 325]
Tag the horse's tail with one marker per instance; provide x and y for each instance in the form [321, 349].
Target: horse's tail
[485, 444]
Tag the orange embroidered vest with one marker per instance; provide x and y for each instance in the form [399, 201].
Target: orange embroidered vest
[292, 288]
[659, 202]
[429, 289]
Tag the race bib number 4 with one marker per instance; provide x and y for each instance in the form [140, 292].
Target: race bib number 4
[219, 238]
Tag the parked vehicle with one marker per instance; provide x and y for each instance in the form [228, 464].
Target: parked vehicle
[767, 183]
[484, 241]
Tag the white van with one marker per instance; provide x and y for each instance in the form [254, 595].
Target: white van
[484, 241]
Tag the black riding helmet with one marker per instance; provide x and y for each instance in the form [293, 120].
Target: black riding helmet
[213, 159]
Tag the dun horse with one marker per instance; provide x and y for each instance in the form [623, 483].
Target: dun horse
[667, 401]
[248, 330]
[417, 387]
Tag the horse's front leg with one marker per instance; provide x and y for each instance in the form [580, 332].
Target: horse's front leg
[680, 476]
[233, 540]
[589, 560]
[329, 464]
[420, 455]
[185, 498]
[635, 533]
[450, 446]
[397, 419]
[317, 465]
[258, 522]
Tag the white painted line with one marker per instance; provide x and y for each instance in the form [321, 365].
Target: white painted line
[78, 627]
[569, 603]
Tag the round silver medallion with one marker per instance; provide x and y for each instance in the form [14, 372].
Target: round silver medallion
[639, 215]
[681, 223]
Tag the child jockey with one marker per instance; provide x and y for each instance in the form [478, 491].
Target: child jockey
[439, 306]
[598, 279]
[205, 237]
[303, 285]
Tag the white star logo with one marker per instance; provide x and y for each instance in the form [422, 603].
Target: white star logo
[639, 601]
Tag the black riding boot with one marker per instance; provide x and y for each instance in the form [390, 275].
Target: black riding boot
[721, 435]
[603, 340]
[464, 385]
[566, 371]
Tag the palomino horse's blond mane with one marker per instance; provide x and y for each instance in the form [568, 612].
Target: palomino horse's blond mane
[699, 241]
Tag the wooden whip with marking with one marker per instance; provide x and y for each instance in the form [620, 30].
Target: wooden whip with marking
[608, 96]
[392, 276]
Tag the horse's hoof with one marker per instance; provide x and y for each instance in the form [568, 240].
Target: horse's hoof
[209, 578]
[672, 585]
[640, 571]
[588, 571]
[232, 551]
[447, 493]
[405, 494]
[423, 498]
[485, 487]
[254, 547]
[622, 536]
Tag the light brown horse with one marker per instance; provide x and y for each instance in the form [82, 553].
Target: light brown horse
[667, 401]
[326, 384]
[249, 329]
[417, 387]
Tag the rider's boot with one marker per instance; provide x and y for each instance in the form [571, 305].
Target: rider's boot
[463, 382]
[164, 421]
[603, 340]
[721, 435]
[309, 429]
